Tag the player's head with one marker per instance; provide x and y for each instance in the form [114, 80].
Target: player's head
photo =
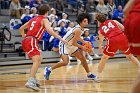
[43, 9]
[84, 19]
[100, 17]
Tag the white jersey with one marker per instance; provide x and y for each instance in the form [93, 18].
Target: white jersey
[69, 49]
[70, 34]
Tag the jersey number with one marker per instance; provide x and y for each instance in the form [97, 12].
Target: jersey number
[106, 28]
[32, 25]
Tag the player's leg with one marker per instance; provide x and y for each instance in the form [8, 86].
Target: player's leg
[133, 59]
[102, 63]
[138, 56]
[79, 55]
[64, 62]
[32, 82]
[37, 59]
[28, 44]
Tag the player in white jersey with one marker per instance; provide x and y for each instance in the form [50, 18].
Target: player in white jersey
[73, 48]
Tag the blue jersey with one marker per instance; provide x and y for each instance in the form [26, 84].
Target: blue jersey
[56, 42]
[63, 31]
[46, 36]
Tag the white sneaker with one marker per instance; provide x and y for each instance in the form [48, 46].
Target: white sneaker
[31, 83]
[37, 83]
[97, 79]
[97, 56]
[90, 58]
[78, 62]
[70, 57]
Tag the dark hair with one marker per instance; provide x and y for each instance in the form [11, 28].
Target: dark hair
[43, 9]
[82, 16]
[100, 17]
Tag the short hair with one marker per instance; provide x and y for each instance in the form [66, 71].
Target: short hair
[100, 17]
[82, 16]
[43, 9]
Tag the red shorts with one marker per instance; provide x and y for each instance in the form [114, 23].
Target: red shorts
[132, 31]
[119, 42]
[30, 46]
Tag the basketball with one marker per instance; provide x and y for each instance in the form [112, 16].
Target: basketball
[88, 45]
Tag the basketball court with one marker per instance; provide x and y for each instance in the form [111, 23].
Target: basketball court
[116, 78]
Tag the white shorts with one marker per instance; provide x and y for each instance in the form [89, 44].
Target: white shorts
[67, 49]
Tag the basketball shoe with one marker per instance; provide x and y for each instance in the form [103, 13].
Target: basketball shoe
[31, 83]
[47, 72]
[93, 77]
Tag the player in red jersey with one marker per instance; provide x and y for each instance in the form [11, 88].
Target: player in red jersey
[112, 31]
[36, 28]
[132, 24]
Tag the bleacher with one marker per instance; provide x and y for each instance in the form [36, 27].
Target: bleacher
[10, 48]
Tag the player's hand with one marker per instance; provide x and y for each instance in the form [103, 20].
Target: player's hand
[101, 49]
[24, 35]
[84, 48]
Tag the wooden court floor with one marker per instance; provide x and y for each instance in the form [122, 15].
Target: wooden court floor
[117, 77]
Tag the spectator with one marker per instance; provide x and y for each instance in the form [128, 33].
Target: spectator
[26, 16]
[71, 25]
[33, 12]
[55, 41]
[80, 6]
[62, 24]
[15, 9]
[90, 6]
[65, 16]
[53, 11]
[58, 5]
[111, 7]
[15, 24]
[35, 3]
[72, 4]
[86, 37]
[102, 8]
[45, 38]
[54, 24]
[52, 18]
[118, 14]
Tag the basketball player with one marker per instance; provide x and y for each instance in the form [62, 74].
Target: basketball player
[72, 37]
[112, 31]
[36, 28]
[132, 20]
[132, 24]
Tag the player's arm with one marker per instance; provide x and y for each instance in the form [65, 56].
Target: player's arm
[22, 28]
[101, 39]
[119, 25]
[49, 29]
[80, 39]
[77, 36]
[128, 7]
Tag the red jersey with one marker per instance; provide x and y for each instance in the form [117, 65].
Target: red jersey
[35, 28]
[110, 29]
[136, 7]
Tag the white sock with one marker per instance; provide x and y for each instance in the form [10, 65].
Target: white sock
[50, 68]
[89, 73]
